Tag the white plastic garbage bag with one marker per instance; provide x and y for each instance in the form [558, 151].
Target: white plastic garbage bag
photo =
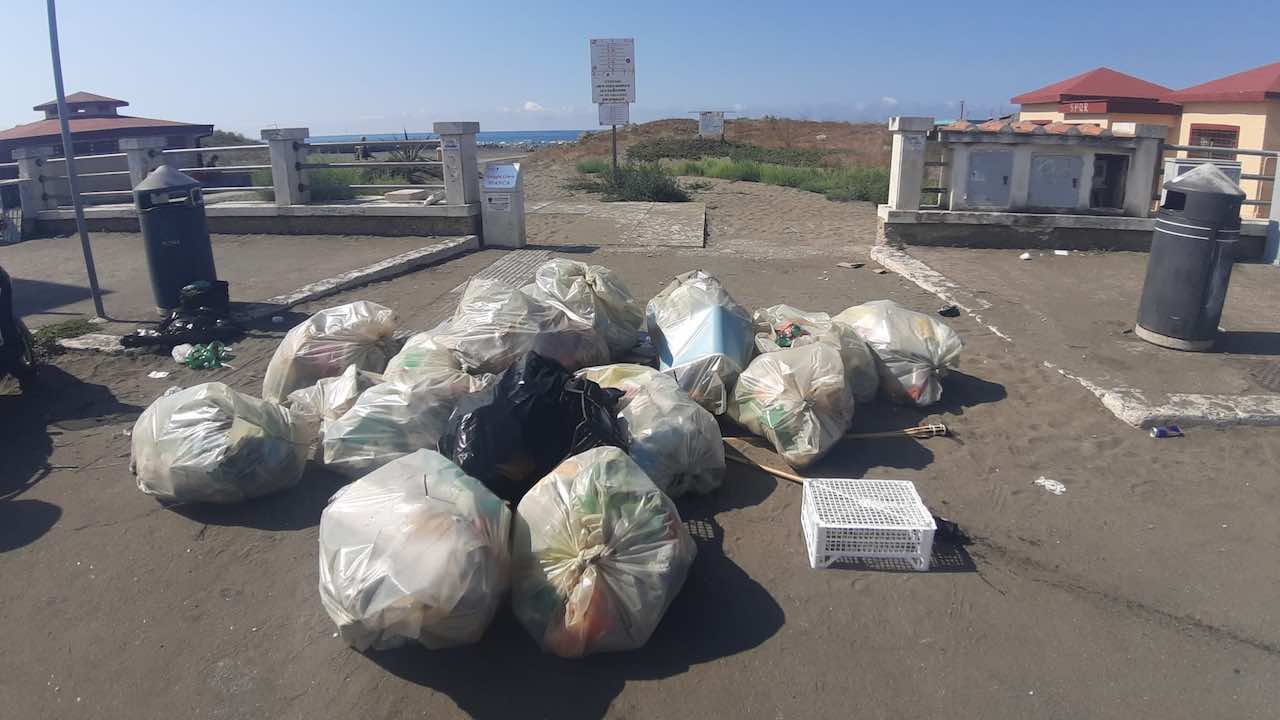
[796, 398]
[916, 349]
[329, 398]
[598, 554]
[209, 443]
[673, 439]
[358, 333]
[782, 326]
[420, 356]
[593, 295]
[394, 419]
[496, 323]
[415, 550]
[703, 337]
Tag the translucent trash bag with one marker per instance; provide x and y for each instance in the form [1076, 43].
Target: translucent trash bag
[420, 356]
[598, 554]
[782, 326]
[209, 443]
[795, 398]
[495, 323]
[415, 550]
[704, 338]
[394, 419]
[672, 438]
[916, 349]
[358, 333]
[329, 398]
[593, 295]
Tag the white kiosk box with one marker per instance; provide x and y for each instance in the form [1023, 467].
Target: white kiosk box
[502, 206]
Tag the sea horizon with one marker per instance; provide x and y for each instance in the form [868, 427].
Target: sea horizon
[491, 137]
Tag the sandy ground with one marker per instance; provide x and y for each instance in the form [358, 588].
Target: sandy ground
[1148, 589]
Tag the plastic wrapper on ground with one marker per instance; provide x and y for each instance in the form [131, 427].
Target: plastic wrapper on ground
[916, 350]
[782, 326]
[593, 295]
[535, 416]
[394, 419]
[495, 323]
[598, 555]
[415, 550]
[704, 338]
[329, 398]
[209, 443]
[358, 333]
[675, 440]
[796, 398]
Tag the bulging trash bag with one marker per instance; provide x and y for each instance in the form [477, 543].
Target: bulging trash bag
[394, 419]
[916, 349]
[329, 398]
[782, 326]
[593, 295]
[796, 398]
[421, 355]
[537, 414]
[703, 337]
[496, 323]
[358, 333]
[598, 554]
[209, 443]
[673, 439]
[415, 550]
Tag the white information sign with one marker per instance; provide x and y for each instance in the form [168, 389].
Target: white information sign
[614, 113]
[613, 70]
[501, 177]
[711, 124]
[499, 202]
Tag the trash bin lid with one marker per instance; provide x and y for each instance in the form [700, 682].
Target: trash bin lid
[166, 178]
[1206, 179]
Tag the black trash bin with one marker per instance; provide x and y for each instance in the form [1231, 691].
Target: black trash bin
[1190, 263]
[171, 213]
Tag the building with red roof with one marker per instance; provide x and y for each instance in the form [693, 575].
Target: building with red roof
[1101, 96]
[96, 127]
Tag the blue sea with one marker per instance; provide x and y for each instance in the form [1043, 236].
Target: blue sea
[502, 138]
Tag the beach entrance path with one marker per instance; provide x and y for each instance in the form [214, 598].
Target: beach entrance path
[583, 221]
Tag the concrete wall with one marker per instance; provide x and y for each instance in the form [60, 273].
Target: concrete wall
[386, 226]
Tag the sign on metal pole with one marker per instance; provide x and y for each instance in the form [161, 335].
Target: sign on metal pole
[614, 113]
[711, 124]
[613, 70]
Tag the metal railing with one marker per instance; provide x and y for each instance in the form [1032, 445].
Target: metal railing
[1218, 153]
[358, 148]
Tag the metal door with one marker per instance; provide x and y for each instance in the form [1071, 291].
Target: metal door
[988, 181]
[1055, 181]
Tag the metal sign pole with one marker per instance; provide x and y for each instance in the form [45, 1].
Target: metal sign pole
[68, 154]
[615, 153]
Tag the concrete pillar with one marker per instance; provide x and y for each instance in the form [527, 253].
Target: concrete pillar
[958, 177]
[288, 148]
[32, 193]
[458, 153]
[906, 169]
[1140, 184]
[1085, 195]
[1271, 251]
[144, 155]
[1020, 176]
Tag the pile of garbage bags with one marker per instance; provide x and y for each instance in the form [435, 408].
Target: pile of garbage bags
[599, 553]
[415, 550]
[211, 444]
[522, 396]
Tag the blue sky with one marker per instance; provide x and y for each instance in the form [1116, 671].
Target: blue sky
[382, 65]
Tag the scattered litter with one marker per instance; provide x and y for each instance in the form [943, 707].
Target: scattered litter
[208, 357]
[158, 374]
[1166, 431]
[1052, 486]
[859, 520]
[180, 353]
[1061, 252]
[880, 271]
[1025, 256]
[949, 311]
[850, 265]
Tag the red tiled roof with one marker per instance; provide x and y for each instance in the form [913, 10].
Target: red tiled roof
[81, 97]
[49, 127]
[1097, 84]
[1253, 85]
[1027, 127]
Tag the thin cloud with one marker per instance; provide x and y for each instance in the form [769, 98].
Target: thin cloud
[531, 106]
[890, 101]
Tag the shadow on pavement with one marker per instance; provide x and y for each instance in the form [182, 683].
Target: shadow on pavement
[720, 612]
[24, 521]
[1238, 342]
[297, 508]
[33, 297]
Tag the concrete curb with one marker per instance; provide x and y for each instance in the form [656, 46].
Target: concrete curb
[392, 266]
[1130, 405]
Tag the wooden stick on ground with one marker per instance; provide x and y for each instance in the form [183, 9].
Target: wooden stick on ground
[918, 432]
[742, 459]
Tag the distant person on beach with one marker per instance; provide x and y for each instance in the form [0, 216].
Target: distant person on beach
[362, 152]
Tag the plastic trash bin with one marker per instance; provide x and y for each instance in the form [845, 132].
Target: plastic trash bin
[171, 214]
[1189, 268]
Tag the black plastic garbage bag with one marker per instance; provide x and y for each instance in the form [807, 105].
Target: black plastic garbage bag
[512, 434]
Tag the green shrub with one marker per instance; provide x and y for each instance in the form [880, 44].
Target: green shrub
[638, 183]
[850, 183]
[859, 183]
[676, 148]
[593, 165]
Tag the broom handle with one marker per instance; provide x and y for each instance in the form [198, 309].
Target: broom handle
[771, 470]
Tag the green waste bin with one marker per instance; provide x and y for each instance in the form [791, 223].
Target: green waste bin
[171, 214]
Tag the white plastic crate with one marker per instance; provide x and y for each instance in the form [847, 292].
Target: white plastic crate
[859, 520]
